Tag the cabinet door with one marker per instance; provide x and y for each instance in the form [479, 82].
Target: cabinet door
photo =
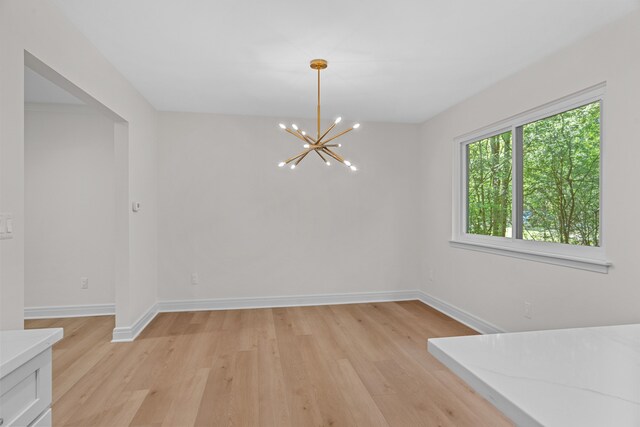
[44, 420]
[26, 392]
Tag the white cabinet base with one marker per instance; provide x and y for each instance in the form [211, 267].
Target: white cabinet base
[43, 420]
[25, 377]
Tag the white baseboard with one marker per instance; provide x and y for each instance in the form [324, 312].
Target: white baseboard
[284, 301]
[129, 333]
[69, 311]
[458, 314]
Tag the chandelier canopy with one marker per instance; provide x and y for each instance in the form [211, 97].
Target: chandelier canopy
[319, 144]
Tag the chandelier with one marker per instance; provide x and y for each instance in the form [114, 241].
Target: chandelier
[319, 144]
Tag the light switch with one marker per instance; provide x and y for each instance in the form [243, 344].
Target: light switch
[6, 226]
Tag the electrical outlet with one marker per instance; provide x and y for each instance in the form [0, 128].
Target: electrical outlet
[195, 280]
[528, 310]
[84, 283]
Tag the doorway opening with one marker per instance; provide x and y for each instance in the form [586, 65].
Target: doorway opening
[76, 203]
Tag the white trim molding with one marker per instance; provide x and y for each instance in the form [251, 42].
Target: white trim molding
[285, 301]
[60, 108]
[588, 264]
[69, 311]
[466, 318]
[129, 333]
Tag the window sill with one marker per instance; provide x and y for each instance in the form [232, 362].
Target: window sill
[589, 264]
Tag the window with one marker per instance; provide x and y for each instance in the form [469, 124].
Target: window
[561, 177]
[531, 185]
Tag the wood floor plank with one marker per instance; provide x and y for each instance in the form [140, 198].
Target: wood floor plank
[350, 365]
[214, 409]
[159, 326]
[363, 406]
[421, 398]
[101, 385]
[301, 401]
[273, 408]
[215, 321]
[184, 408]
[119, 413]
[244, 407]
[180, 367]
[357, 355]
[411, 339]
[67, 378]
[405, 357]
[326, 390]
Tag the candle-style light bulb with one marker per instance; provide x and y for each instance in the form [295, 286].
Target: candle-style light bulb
[353, 168]
[338, 120]
[306, 145]
[327, 163]
[293, 166]
[294, 126]
[281, 164]
[347, 162]
[356, 126]
[282, 126]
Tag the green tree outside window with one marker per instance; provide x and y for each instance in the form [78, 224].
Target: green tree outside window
[560, 180]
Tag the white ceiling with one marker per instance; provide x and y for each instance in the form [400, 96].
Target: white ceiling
[389, 60]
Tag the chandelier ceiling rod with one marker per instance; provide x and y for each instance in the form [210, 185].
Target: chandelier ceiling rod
[318, 100]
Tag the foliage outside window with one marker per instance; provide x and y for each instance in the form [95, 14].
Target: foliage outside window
[489, 186]
[557, 180]
[561, 178]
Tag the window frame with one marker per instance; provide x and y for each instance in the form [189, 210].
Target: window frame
[583, 257]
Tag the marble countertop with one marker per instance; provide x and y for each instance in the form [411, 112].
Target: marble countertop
[18, 347]
[567, 377]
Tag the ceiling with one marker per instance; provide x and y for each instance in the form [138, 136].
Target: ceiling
[389, 60]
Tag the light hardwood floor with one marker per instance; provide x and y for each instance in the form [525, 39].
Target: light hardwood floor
[342, 365]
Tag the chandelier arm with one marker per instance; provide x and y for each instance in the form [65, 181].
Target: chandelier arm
[306, 137]
[336, 136]
[326, 132]
[321, 156]
[302, 157]
[333, 154]
[291, 159]
[295, 134]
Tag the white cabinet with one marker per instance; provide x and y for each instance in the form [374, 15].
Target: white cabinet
[43, 420]
[25, 377]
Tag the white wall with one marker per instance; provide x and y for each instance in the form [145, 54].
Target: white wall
[39, 28]
[251, 229]
[493, 287]
[69, 206]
